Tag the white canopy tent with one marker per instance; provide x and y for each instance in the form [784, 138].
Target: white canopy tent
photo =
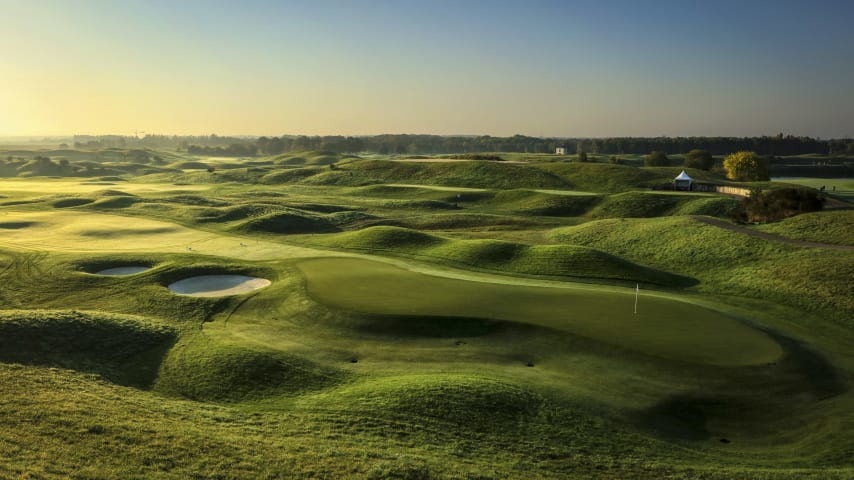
[683, 182]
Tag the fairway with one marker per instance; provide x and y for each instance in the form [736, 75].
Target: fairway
[662, 327]
[76, 186]
[73, 231]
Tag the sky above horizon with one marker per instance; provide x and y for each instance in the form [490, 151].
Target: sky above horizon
[597, 68]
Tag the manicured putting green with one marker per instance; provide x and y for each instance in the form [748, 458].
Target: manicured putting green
[662, 327]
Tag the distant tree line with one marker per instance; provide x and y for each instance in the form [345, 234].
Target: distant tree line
[230, 150]
[402, 144]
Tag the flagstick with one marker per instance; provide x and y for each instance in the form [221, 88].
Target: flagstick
[637, 290]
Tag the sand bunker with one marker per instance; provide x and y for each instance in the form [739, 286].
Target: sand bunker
[129, 270]
[217, 285]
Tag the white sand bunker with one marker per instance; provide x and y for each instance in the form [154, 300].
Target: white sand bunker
[217, 285]
[129, 270]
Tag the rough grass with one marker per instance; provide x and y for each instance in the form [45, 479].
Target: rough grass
[548, 260]
[726, 262]
[527, 202]
[205, 368]
[463, 174]
[292, 222]
[292, 383]
[124, 349]
[835, 227]
[639, 204]
[465, 402]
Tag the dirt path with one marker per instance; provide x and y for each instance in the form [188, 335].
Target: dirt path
[768, 236]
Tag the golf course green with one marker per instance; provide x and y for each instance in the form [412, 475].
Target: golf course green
[663, 327]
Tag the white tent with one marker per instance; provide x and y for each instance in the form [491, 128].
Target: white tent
[683, 181]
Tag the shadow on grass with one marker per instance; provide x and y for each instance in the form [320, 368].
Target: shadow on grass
[750, 398]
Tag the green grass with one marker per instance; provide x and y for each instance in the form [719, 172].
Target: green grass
[844, 186]
[123, 349]
[292, 222]
[727, 263]
[549, 260]
[835, 227]
[476, 174]
[463, 357]
[662, 327]
[205, 368]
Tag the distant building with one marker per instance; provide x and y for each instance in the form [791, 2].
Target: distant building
[560, 151]
[683, 182]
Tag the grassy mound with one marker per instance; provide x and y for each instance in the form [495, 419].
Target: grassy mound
[418, 205]
[71, 202]
[453, 221]
[711, 206]
[835, 227]
[550, 260]
[728, 263]
[17, 225]
[467, 402]
[606, 178]
[236, 212]
[189, 165]
[204, 368]
[124, 349]
[463, 174]
[310, 158]
[527, 202]
[116, 202]
[291, 175]
[352, 219]
[291, 222]
[639, 204]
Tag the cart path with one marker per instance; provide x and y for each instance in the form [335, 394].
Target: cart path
[768, 236]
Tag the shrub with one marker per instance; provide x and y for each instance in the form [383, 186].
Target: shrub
[699, 159]
[777, 204]
[656, 159]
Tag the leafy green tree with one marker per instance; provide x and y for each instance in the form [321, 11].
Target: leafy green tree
[582, 156]
[699, 159]
[656, 159]
[746, 167]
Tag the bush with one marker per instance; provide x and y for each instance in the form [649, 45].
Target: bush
[699, 159]
[656, 159]
[777, 204]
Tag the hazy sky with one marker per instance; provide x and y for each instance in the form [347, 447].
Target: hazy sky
[541, 68]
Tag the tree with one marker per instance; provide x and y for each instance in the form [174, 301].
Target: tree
[699, 159]
[582, 156]
[777, 204]
[746, 167]
[656, 159]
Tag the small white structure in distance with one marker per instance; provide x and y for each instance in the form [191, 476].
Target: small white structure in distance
[560, 151]
[683, 182]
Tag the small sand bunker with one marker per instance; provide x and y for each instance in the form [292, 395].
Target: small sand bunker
[217, 285]
[129, 270]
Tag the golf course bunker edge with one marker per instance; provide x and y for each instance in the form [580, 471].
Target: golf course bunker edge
[217, 285]
[126, 270]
